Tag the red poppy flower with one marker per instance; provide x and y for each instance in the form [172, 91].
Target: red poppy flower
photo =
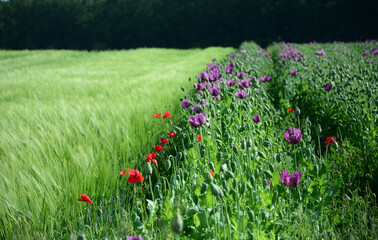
[199, 138]
[162, 141]
[156, 115]
[290, 110]
[158, 148]
[211, 172]
[330, 140]
[123, 173]
[151, 157]
[134, 176]
[85, 198]
[172, 134]
[166, 114]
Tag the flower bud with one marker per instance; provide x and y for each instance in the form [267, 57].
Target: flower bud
[211, 165]
[177, 223]
[204, 188]
[219, 156]
[148, 168]
[167, 165]
[230, 174]
[193, 211]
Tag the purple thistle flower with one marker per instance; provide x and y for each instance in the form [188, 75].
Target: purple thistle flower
[325, 60]
[293, 72]
[259, 52]
[232, 55]
[256, 118]
[293, 135]
[327, 87]
[320, 53]
[212, 59]
[366, 53]
[197, 120]
[243, 84]
[231, 83]
[266, 78]
[290, 180]
[229, 69]
[242, 94]
[197, 108]
[241, 75]
[243, 51]
[375, 52]
[185, 103]
[134, 238]
[231, 64]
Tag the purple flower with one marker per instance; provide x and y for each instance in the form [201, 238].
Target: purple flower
[197, 120]
[231, 64]
[185, 103]
[214, 90]
[290, 180]
[232, 55]
[199, 86]
[293, 72]
[327, 87]
[241, 75]
[325, 60]
[229, 70]
[335, 49]
[366, 53]
[293, 135]
[268, 182]
[259, 52]
[197, 108]
[243, 51]
[231, 83]
[371, 61]
[250, 79]
[134, 238]
[206, 103]
[320, 53]
[256, 118]
[242, 94]
[243, 84]
[203, 76]
[212, 59]
[375, 52]
[266, 78]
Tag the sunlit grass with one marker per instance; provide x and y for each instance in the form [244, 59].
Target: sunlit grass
[71, 120]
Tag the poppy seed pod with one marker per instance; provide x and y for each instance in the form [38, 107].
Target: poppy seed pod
[177, 223]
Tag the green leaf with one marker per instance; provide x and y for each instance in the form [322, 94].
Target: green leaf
[266, 200]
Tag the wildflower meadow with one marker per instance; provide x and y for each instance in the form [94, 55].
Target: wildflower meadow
[275, 143]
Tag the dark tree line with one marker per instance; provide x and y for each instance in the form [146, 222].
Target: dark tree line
[116, 24]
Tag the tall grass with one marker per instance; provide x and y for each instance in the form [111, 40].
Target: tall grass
[71, 120]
